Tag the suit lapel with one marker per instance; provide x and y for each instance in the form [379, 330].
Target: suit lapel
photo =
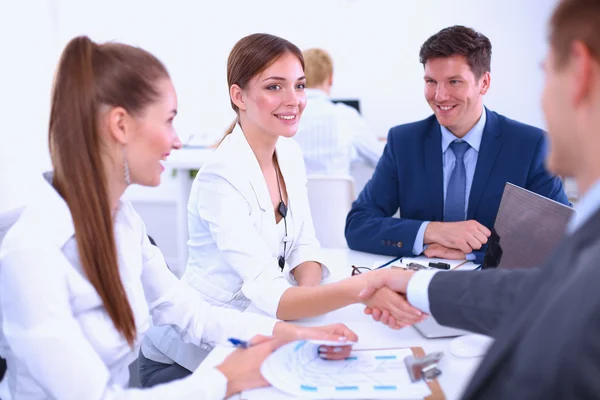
[434, 170]
[508, 333]
[491, 142]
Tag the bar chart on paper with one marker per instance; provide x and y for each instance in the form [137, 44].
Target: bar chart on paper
[296, 370]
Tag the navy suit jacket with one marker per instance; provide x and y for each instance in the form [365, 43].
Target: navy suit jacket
[409, 177]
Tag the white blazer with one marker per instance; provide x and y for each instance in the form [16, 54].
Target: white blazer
[234, 242]
[55, 333]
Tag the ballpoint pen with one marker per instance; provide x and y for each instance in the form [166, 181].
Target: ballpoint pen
[242, 344]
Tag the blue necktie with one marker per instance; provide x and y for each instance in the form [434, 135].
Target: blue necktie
[457, 186]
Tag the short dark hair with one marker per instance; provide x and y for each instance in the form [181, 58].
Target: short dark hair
[462, 41]
[575, 20]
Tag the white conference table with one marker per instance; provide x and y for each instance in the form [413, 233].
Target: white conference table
[456, 372]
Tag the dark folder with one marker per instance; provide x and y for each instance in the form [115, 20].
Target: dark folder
[527, 229]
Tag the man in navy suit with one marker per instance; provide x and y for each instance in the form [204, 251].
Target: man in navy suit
[447, 173]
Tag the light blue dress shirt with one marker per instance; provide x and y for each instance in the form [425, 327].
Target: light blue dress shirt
[473, 137]
[588, 205]
[417, 291]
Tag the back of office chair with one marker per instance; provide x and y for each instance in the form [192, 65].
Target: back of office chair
[330, 199]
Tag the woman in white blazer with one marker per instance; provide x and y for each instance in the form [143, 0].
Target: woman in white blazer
[252, 243]
[79, 279]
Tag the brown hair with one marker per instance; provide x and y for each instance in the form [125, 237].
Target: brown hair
[90, 76]
[575, 20]
[319, 66]
[253, 54]
[461, 41]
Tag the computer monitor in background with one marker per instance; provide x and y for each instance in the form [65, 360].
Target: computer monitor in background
[354, 103]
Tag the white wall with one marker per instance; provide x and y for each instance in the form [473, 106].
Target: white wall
[374, 43]
[26, 68]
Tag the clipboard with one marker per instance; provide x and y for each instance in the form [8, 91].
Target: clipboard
[436, 390]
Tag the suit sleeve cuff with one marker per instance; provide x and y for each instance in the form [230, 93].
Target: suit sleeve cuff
[418, 246]
[417, 291]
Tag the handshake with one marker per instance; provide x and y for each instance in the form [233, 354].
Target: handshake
[383, 293]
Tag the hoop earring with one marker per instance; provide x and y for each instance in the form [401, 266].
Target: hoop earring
[126, 168]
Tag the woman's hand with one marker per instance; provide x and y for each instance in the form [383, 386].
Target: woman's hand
[242, 367]
[334, 332]
[393, 309]
[383, 294]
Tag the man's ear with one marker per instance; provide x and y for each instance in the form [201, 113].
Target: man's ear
[238, 97]
[486, 81]
[580, 64]
[118, 121]
[330, 82]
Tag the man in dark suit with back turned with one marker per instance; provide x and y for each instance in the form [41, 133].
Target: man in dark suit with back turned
[447, 173]
[546, 320]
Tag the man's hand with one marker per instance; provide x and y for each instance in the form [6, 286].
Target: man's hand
[392, 278]
[436, 250]
[390, 284]
[465, 236]
[393, 305]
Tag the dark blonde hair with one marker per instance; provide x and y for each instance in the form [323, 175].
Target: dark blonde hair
[575, 20]
[253, 54]
[319, 66]
[89, 76]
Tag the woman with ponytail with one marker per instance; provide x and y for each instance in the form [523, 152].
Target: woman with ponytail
[80, 282]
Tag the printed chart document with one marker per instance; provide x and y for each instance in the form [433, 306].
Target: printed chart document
[297, 370]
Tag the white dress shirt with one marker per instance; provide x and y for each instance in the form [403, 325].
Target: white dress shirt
[58, 339]
[332, 136]
[417, 291]
[234, 241]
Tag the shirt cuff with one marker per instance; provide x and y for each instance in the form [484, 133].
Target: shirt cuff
[470, 257]
[266, 292]
[223, 323]
[303, 255]
[325, 273]
[418, 247]
[211, 384]
[417, 291]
